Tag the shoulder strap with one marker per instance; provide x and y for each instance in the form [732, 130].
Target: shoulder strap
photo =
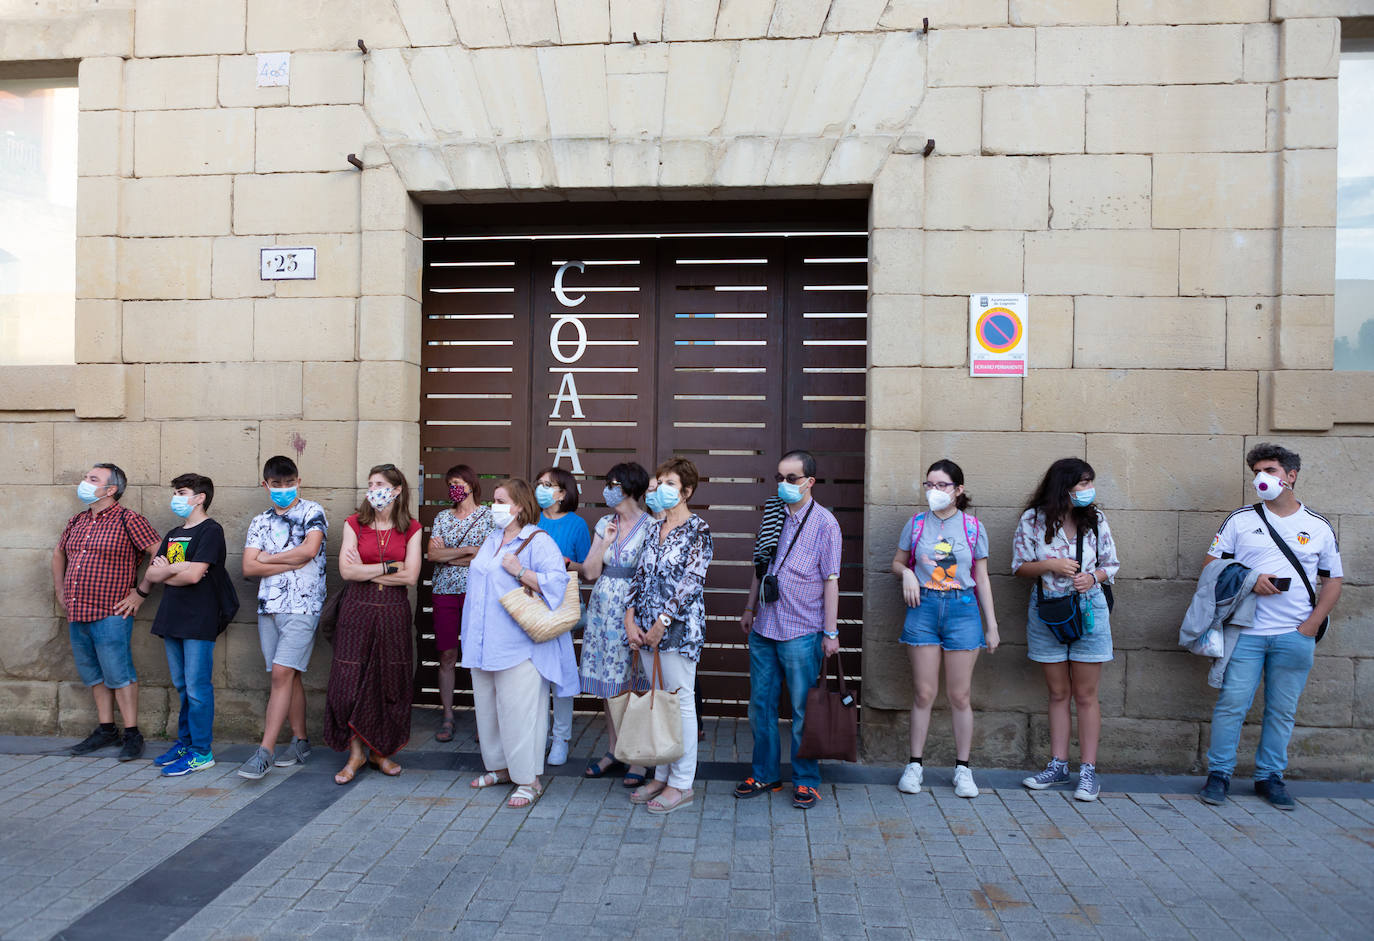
[918, 526]
[1287, 554]
[971, 532]
[805, 517]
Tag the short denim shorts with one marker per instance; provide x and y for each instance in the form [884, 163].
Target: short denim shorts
[103, 652]
[287, 639]
[949, 619]
[1090, 648]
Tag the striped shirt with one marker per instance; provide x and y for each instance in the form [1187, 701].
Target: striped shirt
[813, 560]
[102, 558]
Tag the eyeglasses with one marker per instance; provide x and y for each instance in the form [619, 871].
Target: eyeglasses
[790, 478]
[938, 485]
[384, 467]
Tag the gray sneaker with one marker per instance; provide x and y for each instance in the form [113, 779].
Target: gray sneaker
[256, 767]
[1056, 772]
[297, 753]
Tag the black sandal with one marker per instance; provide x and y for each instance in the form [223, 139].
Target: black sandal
[594, 769]
[445, 733]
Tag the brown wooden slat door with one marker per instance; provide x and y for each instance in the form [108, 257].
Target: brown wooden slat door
[727, 350]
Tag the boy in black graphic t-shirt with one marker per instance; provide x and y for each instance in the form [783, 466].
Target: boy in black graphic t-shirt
[190, 564]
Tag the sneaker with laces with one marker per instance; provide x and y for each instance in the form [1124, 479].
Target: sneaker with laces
[97, 740]
[1215, 790]
[558, 752]
[910, 782]
[1056, 772]
[963, 782]
[171, 755]
[297, 753]
[805, 797]
[133, 745]
[1088, 786]
[191, 761]
[256, 768]
[1275, 792]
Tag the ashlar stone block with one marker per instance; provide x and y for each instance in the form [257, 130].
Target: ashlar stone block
[1310, 113]
[445, 79]
[893, 89]
[1164, 332]
[685, 20]
[164, 268]
[238, 84]
[1216, 191]
[908, 14]
[305, 139]
[1250, 332]
[427, 22]
[330, 391]
[1137, 55]
[332, 446]
[480, 23]
[1166, 471]
[97, 201]
[1158, 119]
[895, 331]
[187, 331]
[1121, 262]
[513, 92]
[854, 15]
[1309, 188]
[1307, 260]
[224, 390]
[1218, 262]
[952, 117]
[388, 391]
[285, 203]
[171, 83]
[380, 442]
[1261, 52]
[1311, 47]
[1176, 12]
[336, 268]
[328, 78]
[1062, 12]
[134, 446]
[699, 78]
[323, 24]
[209, 141]
[98, 327]
[981, 57]
[284, 327]
[26, 453]
[226, 451]
[972, 193]
[1146, 401]
[895, 260]
[574, 81]
[100, 80]
[1100, 192]
[1045, 120]
[1306, 331]
[99, 150]
[964, 262]
[186, 205]
[188, 27]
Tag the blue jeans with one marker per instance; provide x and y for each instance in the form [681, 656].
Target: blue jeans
[103, 651]
[1282, 661]
[771, 663]
[192, 664]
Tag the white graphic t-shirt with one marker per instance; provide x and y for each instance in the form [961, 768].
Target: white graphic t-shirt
[1245, 538]
[299, 591]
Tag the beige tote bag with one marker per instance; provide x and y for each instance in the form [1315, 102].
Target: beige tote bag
[648, 726]
[540, 622]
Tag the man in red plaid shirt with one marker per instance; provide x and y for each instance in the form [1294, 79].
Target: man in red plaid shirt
[94, 569]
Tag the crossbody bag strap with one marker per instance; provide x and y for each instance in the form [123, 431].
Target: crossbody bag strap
[800, 526]
[918, 526]
[1288, 554]
[1040, 582]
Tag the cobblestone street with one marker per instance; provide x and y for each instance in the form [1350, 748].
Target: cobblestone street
[93, 848]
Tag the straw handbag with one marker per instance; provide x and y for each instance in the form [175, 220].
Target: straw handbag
[648, 726]
[540, 622]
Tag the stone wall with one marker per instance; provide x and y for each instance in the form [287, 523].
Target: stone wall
[1158, 174]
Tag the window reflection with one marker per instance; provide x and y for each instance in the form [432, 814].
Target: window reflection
[1355, 209]
[37, 220]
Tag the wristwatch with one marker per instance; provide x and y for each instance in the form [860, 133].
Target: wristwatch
[665, 619]
[831, 634]
[523, 570]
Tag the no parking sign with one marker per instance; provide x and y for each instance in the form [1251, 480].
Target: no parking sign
[997, 334]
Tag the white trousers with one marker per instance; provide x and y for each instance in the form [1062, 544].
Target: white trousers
[562, 718]
[512, 719]
[681, 674]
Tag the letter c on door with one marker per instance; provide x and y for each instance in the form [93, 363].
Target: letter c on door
[558, 284]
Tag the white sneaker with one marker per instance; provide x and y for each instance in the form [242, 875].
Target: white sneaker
[911, 779]
[963, 782]
[558, 752]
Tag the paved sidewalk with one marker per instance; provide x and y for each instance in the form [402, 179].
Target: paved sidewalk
[93, 848]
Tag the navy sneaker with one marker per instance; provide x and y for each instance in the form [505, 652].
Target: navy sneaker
[1273, 790]
[191, 761]
[1215, 790]
[1056, 772]
[171, 755]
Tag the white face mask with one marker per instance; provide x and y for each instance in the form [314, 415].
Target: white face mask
[381, 498]
[938, 500]
[501, 514]
[1267, 485]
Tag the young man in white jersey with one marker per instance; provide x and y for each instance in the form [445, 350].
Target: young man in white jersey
[1279, 646]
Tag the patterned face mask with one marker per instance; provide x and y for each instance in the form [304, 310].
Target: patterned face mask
[457, 493]
[381, 498]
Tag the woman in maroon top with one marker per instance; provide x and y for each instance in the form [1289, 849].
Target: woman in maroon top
[368, 702]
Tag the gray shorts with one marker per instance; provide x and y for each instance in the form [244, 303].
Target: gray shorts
[287, 639]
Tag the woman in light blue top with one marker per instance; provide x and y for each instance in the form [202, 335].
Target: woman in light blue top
[511, 674]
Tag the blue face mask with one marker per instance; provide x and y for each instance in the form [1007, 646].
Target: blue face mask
[181, 505]
[282, 496]
[543, 496]
[789, 493]
[1082, 497]
[613, 496]
[85, 492]
[664, 498]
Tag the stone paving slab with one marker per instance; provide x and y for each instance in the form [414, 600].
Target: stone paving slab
[424, 855]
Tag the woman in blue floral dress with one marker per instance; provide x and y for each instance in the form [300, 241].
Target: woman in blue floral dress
[607, 662]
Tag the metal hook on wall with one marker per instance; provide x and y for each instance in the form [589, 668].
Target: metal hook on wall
[925, 25]
[353, 159]
[929, 148]
[363, 46]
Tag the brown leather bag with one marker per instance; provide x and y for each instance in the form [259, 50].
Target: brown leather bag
[830, 728]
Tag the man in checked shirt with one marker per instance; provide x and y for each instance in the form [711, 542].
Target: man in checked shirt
[94, 569]
[793, 630]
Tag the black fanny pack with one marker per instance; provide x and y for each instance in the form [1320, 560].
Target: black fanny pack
[1063, 615]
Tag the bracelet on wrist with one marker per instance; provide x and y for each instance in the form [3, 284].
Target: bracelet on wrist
[141, 592]
[831, 634]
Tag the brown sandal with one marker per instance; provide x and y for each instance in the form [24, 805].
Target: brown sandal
[347, 772]
[385, 765]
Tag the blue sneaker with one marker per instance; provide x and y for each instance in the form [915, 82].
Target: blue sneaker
[171, 755]
[191, 761]
[1056, 772]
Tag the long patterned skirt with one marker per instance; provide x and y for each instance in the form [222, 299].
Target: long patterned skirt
[370, 679]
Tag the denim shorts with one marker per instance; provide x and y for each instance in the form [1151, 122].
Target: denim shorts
[102, 651]
[1090, 648]
[287, 639]
[950, 619]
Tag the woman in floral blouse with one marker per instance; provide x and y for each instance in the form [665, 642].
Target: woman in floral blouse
[453, 543]
[1045, 548]
[667, 611]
